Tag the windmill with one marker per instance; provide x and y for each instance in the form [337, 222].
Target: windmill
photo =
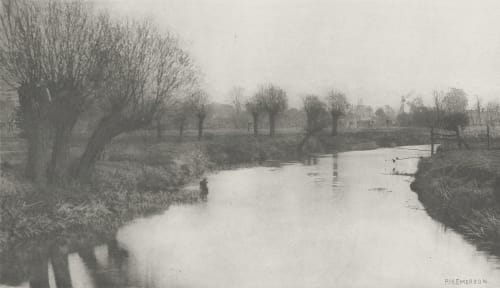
[403, 101]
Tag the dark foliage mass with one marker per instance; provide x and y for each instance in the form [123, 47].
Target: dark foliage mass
[448, 112]
[64, 58]
[452, 121]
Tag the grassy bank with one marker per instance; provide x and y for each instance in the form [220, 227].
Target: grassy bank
[462, 190]
[141, 175]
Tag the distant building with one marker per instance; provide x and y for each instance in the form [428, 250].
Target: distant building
[483, 118]
[362, 116]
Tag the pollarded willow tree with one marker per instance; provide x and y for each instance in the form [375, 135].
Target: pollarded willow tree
[21, 68]
[274, 101]
[179, 115]
[315, 112]
[455, 101]
[55, 54]
[64, 58]
[149, 68]
[337, 106]
[255, 109]
[198, 101]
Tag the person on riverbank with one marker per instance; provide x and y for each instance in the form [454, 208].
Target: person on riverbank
[204, 188]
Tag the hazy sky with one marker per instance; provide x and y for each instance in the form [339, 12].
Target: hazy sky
[376, 50]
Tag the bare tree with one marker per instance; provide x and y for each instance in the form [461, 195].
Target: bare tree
[159, 125]
[148, 69]
[315, 112]
[54, 53]
[438, 105]
[493, 111]
[380, 114]
[82, 42]
[455, 101]
[337, 106]
[198, 101]
[180, 113]
[20, 64]
[254, 108]
[389, 112]
[274, 101]
[237, 99]
[478, 110]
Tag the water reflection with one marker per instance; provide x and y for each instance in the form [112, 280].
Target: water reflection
[102, 266]
[310, 160]
[299, 225]
[335, 166]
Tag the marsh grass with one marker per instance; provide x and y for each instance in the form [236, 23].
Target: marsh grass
[460, 189]
[119, 192]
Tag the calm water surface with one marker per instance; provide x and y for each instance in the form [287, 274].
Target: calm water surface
[333, 221]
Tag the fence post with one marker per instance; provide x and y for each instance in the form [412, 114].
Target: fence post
[432, 141]
[488, 135]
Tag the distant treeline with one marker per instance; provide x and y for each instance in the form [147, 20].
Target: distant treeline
[450, 109]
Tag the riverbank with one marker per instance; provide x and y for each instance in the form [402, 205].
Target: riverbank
[138, 178]
[461, 189]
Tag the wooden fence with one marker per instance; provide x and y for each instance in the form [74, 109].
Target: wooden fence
[475, 137]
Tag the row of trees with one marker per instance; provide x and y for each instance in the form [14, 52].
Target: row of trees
[271, 100]
[455, 101]
[195, 103]
[448, 111]
[65, 58]
[318, 111]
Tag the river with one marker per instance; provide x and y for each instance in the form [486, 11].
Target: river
[341, 220]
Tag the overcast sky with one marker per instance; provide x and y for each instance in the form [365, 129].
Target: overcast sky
[375, 50]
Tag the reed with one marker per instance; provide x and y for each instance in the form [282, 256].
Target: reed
[461, 190]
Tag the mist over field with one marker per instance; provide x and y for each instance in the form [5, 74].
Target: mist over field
[375, 50]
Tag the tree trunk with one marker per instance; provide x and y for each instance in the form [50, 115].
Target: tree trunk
[272, 123]
[334, 125]
[459, 141]
[39, 140]
[181, 129]
[309, 123]
[255, 117]
[236, 119]
[67, 103]
[159, 127]
[38, 129]
[303, 142]
[58, 170]
[200, 127]
[109, 127]
[105, 131]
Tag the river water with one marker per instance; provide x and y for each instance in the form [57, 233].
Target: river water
[340, 220]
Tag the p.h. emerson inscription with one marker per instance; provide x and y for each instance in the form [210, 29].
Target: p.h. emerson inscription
[234, 143]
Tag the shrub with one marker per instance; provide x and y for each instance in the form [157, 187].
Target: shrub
[156, 179]
[452, 121]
